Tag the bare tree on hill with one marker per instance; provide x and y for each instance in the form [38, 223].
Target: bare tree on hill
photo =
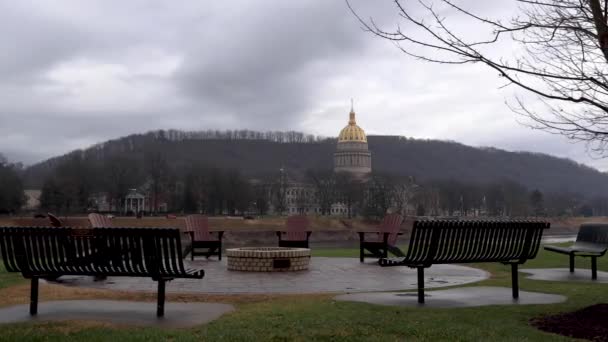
[563, 59]
[11, 187]
[157, 170]
[120, 175]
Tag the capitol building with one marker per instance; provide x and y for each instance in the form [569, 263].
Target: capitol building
[352, 156]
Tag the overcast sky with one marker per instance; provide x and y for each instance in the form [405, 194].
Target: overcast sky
[75, 73]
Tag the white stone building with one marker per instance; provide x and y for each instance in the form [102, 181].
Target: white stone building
[352, 156]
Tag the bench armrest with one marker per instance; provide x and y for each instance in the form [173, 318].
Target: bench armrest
[385, 234]
[362, 234]
[220, 233]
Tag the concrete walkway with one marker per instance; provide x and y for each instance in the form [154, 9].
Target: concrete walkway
[563, 274]
[326, 275]
[177, 315]
[454, 298]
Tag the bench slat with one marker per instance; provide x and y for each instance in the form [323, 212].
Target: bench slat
[36, 251]
[443, 241]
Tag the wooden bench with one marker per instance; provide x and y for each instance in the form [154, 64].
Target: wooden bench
[591, 241]
[297, 234]
[383, 240]
[454, 242]
[197, 226]
[39, 252]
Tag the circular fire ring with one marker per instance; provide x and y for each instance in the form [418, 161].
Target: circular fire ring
[268, 259]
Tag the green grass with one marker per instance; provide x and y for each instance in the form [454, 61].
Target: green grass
[9, 279]
[335, 252]
[326, 320]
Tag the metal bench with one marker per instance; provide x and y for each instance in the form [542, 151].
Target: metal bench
[454, 242]
[39, 252]
[591, 241]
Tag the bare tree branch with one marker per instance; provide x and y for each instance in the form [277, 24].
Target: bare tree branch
[558, 51]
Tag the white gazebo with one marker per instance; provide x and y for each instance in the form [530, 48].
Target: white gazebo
[135, 201]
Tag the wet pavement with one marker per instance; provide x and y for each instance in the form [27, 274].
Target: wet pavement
[177, 315]
[325, 275]
[563, 274]
[453, 298]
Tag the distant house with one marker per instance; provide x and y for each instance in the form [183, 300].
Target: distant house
[32, 199]
[136, 202]
[301, 198]
[100, 202]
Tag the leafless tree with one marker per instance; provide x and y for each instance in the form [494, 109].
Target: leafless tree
[157, 169]
[379, 195]
[324, 182]
[349, 191]
[555, 49]
[404, 191]
[278, 192]
[120, 175]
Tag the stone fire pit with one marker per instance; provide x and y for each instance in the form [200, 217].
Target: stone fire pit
[268, 259]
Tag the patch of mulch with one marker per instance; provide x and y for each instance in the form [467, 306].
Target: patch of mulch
[20, 294]
[590, 323]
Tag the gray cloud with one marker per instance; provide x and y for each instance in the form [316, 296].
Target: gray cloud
[33, 43]
[75, 74]
[267, 62]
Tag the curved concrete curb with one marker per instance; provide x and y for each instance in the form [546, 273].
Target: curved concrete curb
[563, 274]
[177, 315]
[455, 298]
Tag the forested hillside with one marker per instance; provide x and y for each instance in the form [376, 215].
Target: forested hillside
[255, 154]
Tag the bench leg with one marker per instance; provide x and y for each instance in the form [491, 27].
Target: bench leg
[219, 253]
[514, 281]
[160, 306]
[361, 254]
[593, 268]
[187, 250]
[421, 285]
[571, 263]
[34, 296]
[396, 251]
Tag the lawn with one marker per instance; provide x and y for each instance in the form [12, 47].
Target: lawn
[321, 318]
[9, 279]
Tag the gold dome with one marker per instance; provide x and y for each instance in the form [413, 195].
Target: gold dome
[352, 132]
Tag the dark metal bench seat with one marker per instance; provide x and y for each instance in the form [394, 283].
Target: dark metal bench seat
[452, 242]
[39, 252]
[591, 241]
